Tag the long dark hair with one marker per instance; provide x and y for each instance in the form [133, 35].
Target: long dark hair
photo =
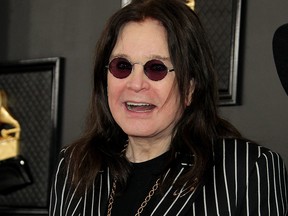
[103, 140]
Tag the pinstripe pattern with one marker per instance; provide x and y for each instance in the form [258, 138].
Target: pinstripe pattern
[246, 179]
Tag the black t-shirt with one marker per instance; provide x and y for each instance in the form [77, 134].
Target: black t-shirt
[143, 177]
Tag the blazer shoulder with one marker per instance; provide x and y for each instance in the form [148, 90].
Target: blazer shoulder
[240, 150]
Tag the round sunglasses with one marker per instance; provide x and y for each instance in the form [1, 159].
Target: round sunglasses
[154, 69]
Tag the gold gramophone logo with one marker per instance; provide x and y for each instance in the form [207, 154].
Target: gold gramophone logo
[9, 131]
[191, 4]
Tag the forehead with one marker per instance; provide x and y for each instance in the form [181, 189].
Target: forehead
[147, 37]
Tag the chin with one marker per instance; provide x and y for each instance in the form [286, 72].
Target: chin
[139, 133]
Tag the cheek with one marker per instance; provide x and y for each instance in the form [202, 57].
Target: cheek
[171, 102]
[114, 91]
[110, 92]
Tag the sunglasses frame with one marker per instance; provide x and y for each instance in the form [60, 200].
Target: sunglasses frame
[145, 69]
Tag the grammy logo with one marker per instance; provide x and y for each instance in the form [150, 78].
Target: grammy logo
[10, 131]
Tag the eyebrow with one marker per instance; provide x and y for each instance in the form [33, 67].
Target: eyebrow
[159, 57]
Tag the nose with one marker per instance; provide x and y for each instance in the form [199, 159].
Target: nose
[137, 80]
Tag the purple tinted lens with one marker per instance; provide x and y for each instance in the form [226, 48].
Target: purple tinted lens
[155, 70]
[120, 68]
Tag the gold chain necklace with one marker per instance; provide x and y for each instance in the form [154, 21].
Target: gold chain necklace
[143, 204]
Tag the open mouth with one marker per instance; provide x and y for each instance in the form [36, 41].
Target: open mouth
[139, 107]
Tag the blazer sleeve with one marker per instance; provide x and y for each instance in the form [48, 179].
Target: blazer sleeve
[266, 188]
[58, 186]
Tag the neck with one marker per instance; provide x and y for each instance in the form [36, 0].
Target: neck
[140, 150]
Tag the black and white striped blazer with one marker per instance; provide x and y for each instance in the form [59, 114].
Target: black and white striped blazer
[246, 179]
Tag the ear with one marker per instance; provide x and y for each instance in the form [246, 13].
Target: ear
[188, 99]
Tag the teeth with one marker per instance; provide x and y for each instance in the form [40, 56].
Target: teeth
[139, 107]
[138, 104]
